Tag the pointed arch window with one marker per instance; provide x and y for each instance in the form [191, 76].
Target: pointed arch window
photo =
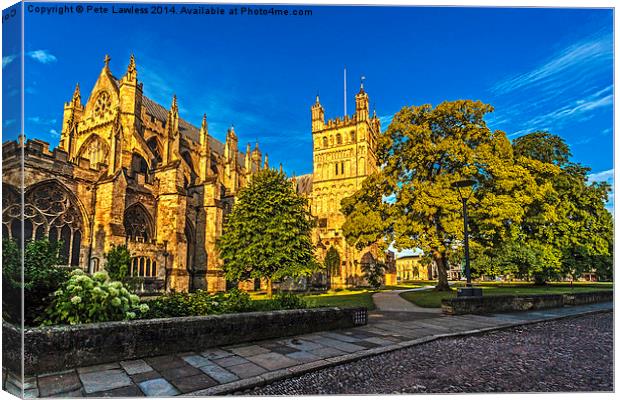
[155, 148]
[95, 150]
[191, 245]
[50, 211]
[137, 222]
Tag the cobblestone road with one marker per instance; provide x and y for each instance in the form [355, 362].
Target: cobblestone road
[573, 354]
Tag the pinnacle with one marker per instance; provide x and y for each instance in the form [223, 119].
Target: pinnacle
[132, 64]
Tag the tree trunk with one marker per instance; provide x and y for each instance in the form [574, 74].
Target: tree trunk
[442, 275]
[269, 288]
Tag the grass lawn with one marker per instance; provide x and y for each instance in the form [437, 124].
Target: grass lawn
[345, 298]
[401, 286]
[432, 299]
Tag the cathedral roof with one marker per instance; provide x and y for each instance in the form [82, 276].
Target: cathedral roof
[186, 129]
[304, 184]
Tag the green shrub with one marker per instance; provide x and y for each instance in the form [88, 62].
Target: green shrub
[169, 305]
[42, 277]
[84, 299]
[237, 300]
[118, 260]
[202, 303]
[288, 301]
[374, 273]
[198, 303]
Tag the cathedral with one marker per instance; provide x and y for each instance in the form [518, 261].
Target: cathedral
[129, 171]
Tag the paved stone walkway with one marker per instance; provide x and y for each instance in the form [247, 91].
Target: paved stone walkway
[230, 369]
[392, 302]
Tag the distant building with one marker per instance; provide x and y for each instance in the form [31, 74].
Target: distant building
[410, 267]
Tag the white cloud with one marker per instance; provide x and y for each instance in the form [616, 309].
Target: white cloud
[578, 107]
[606, 176]
[603, 176]
[42, 56]
[6, 60]
[41, 121]
[54, 133]
[576, 57]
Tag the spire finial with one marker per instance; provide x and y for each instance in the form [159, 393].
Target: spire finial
[76, 93]
[132, 64]
[248, 148]
[106, 61]
[174, 101]
[266, 165]
[362, 79]
[281, 169]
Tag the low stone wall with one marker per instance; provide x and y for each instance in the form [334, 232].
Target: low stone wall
[508, 303]
[492, 304]
[599, 296]
[63, 347]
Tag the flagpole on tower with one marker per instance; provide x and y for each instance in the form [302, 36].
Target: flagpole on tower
[345, 90]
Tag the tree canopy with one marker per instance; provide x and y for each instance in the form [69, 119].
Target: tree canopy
[533, 213]
[423, 152]
[268, 232]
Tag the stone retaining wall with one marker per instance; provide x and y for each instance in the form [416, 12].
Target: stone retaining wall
[508, 303]
[64, 347]
[600, 296]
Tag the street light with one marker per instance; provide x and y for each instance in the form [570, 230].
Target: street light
[463, 188]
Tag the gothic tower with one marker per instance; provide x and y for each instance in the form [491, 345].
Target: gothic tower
[343, 156]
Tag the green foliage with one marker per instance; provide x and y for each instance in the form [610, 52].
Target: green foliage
[84, 299]
[288, 301]
[543, 147]
[203, 303]
[268, 231]
[118, 260]
[533, 213]
[373, 273]
[423, 152]
[522, 260]
[42, 276]
[198, 303]
[571, 218]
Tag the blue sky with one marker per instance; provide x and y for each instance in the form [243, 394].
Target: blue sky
[542, 69]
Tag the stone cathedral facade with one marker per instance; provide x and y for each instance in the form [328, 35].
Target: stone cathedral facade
[129, 171]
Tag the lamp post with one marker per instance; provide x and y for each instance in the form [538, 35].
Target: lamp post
[464, 194]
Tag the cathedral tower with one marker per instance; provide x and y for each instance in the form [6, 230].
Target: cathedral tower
[343, 156]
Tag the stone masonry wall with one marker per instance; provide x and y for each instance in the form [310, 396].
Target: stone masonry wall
[61, 347]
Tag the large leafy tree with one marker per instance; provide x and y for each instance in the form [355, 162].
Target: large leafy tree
[411, 201]
[573, 219]
[267, 234]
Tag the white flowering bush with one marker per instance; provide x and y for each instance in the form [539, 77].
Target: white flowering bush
[84, 299]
